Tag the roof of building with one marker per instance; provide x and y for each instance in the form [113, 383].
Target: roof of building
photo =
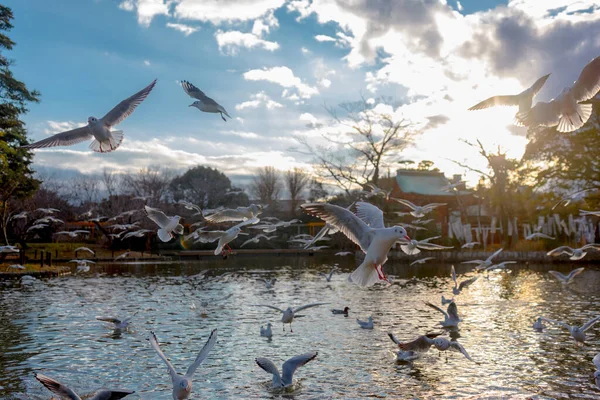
[428, 183]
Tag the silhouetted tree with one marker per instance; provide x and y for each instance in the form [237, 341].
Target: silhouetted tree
[296, 181]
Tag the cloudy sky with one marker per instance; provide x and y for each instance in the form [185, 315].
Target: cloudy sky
[274, 64]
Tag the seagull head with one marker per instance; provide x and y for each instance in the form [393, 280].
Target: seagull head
[196, 104]
[401, 233]
[186, 385]
[92, 120]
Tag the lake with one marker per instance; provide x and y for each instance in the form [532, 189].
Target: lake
[50, 327]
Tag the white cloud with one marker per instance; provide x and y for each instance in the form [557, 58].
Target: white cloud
[146, 9]
[219, 11]
[304, 50]
[325, 38]
[187, 30]
[230, 42]
[55, 127]
[259, 99]
[146, 63]
[325, 82]
[245, 135]
[282, 76]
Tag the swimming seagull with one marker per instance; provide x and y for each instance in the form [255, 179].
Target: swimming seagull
[204, 103]
[365, 324]
[288, 369]
[523, 99]
[577, 332]
[418, 211]
[289, 313]
[266, 332]
[166, 225]
[538, 325]
[451, 318]
[236, 214]
[64, 392]
[567, 110]
[118, 323]
[566, 279]
[575, 254]
[424, 342]
[464, 284]
[373, 237]
[182, 384]
[483, 263]
[105, 140]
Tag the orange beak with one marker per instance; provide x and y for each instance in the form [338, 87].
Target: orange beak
[407, 237]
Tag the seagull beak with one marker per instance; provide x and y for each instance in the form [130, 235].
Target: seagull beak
[191, 105]
[406, 237]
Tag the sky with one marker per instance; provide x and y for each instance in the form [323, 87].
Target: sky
[275, 65]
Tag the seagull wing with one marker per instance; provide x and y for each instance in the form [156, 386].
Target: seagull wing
[268, 366]
[422, 343]
[265, 305]
[227, 215]
[453, 273]
[67, 138]
[594, 246]
[574, 273]
[290, 366]
[558, 275]
[537, 86]
[127, 106]
[432, 246]
[507, 100]
[209, 236]
[109, 319]
[405, 202]
[542, 113]
[210, 343]
[467, 283]
[157, 216]
[437, 308]
[308, 306]
[370, 214]
[56, 387]
[588, 83]
[591, 323]
[156, 347]
[111, 394]
[596, 361]
[494, 255]
[458, 346]
[555, 322]
[560, 250]
[192, 90]
[349, 224]
[394, 338]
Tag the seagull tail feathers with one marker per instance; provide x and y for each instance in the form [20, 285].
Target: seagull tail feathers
[114, 141]
[164, 235]
[575, 119]
[365, 275]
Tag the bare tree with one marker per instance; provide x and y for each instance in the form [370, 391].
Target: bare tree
[152, 182]
[85, 189]
[373, 141]
[266, 185]
[110, 181]
[296, 181]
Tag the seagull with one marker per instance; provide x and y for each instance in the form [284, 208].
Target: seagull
[204, 103]
[257, 238]
[105, 140]
[9, 249]
[584, 213]
[190, 206]
[538, 235]
[328, 276]
[373, 237]
[538, 325]
[421, 261]
[120, 324]
[166, 225]
[446, 301]
[365, 324]
[424, 342]
[577, 332]
[122, 256]
[566, 279]
[35, 227]
[73, 234]
[375, 191]
[83, 265]
[464, 284]
[575, 254]
[343, 253]
[138, 233]
[289, 313]
[401, 355]
[344, 311]
[85, 249]
[501, 265]
[567, 110]
[237, 214]
[182, 384]
[418, 211]
[21, 215]
[266, 332]
[47, 210]
[15, 266]
[469, 245]
[451, 318]
[289, 367]
[483, 263]
[65, 393]
[204, 303]
[224, 237]
[596, 361]
[413, 246]
[523, 99]
[48, 220]
[269, 283]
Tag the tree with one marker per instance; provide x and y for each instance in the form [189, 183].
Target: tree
[206, 187]
[110, 181]
[373, 141]
[266, 185]
[296, 181]
[16, 176]
[152, 182]
[316, 190]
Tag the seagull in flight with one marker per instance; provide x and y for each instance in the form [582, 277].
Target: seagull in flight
[566, 279]
[224, 237]
[66, 393]
[105, 140]
[421, 261]
[413, 246]
[269, 282]
[405, 356]
[328, 276]
[457, 289]
[182, 384]
[418, 211]
[577, 332]
[451, 318]
[166, 225]
[285, 379]
[203, 102]
[483, 263]
[289, 313]
[596, 361]
[237, 214]
[365, 228]
[424, 342]
[538, 235]
[575, 254]
[120, 324]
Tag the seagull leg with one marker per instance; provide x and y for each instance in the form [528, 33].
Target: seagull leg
[223, 117]
[380, 274]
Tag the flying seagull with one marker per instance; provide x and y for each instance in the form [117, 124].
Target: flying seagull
[424, 342]
[566, 279]
[418, 211]
[105, 140]
[464, 284]
[577, 332]
[289, 313]
[236, 214]
[203, 102]
[65, 393]
[166, 225]
[575, 254]
[285, 379]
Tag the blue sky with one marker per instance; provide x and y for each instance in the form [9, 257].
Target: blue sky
[273, 64]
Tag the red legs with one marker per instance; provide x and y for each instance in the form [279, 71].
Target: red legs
[381, 274]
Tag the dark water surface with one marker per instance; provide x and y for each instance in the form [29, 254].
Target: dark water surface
[50, 328]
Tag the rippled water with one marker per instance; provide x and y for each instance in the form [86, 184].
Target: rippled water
[51, 328]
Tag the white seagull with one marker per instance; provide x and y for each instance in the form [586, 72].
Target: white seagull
[464, 284]
[9, 249]
[538, 235]
[328, 276]
[85, 249]
[424, 342]
[285, 379]
[343, 253]
[418, 211]
[365, 324]
[451, 318]
[166, 225]
[204, 103]
[566, 279]
[483, 263]
[269, 282]
[401, 355]
[237, 214]
[224, 237]
[266, 332]
[105, 140]
[577, 332]
[66, 393]
[372, 236]
[501, 265]
[289, 313]
[575, 254]
[120, 324]
[413, 246]
[567, 110]
[469, 245]
[182, 384]
[421, 261]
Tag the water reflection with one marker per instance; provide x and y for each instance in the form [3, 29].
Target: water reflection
[51, 328]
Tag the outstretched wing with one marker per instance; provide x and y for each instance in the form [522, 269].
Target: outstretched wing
[56, 387]
[467, 283]
[453, 273]
[508, 100]
[422, 343]
[209, 236]
[588, 83]
[67, 138]
[290, 366]
[265, 305]
[458, 346]
[308, 306]
[437, 308]
[228, 215]
[157, 216]
[109, 319]
[111, 394]
[156, 347]
[268, 366]
[192, 90]
[370, 214]
[349, 224]
[558, 276]
[574, 273]
[453, 311]
[490, 258]
[394, 339]
[537, 86]
[210, 343]
[591, 323]
[560, 250]
[127, 106]
[405, 202]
